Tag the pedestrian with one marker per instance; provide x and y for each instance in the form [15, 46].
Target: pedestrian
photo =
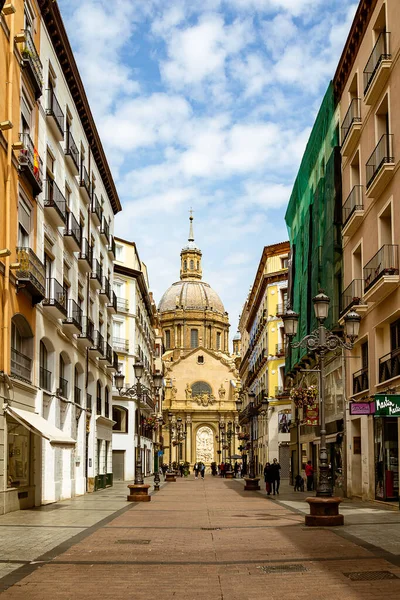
[309, 469]
[240, 470]
[181, 469]
[276, 476]
[196, 470]
[268, 478]
[164, 469]
[235, 468]
[222, 469]
[202, 469]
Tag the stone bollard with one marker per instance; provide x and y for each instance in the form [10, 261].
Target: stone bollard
[139, 492]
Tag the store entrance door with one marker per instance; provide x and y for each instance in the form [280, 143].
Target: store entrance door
[386, 458]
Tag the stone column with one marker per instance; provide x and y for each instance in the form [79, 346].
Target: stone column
[189, 453]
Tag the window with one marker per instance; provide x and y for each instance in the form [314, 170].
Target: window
[395, 335]
[24, 224]
[284, 262]
[364, 355]
[167, 340]
[192, 265]
[44, 372]
[18, 439]
[201, 387]
[194, 338]
[98, 398]
[198, 265]
[77, 389]
[106, 402]
[119, 251]
[200, 360]
[185, 265]
[63, 383]
[120, 416]
[218, 340]
[21, 348]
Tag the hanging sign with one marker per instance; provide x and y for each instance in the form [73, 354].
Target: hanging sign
[311, 414]
[362, 408]
[387, 405]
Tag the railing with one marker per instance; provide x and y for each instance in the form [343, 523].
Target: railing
[353, 115]
[54, 109]
[54, 198]
[385, 262]
[354, 201]
[111, 246]
[31, 268]
[122, 304]
[89, 401]
[21, 365]
[280, 349]
[281, 308]
[29, 156]
[55, 295]
[86, 252]
[97, 270]
[108, 353]
[98, 343]
[77, 395]
[389, 365]
[96, 208]
[105, 229]
[120, 344]
[88, 329]
[63, 387]
[84, 179]
[115, 361]
[106, 288]
[113, 301]
[74, 314]
[352, 295]
[71, 149]
[45, 379]
[382, 154]
[98, 405]
[30, 54]
[360, 380]
[106, 408]
[380, 52]
[73, 229]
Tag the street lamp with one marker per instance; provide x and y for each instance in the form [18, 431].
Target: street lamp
[170, 473]
[157, 473]
[324, 508]
[251, 397]
[138, 491]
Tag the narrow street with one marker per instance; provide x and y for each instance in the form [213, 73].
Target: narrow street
[198, 539]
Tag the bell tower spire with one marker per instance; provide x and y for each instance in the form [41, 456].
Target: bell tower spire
[191, 256]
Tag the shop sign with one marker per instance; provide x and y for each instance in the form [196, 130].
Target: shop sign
[387, 405]
[311, 414]
[362, 408]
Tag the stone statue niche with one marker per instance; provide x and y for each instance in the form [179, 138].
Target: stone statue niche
[205, 445]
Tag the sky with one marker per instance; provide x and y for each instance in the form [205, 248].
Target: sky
[205, 104]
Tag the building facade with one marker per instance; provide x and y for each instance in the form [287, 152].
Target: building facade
[200, 375]
[263, 358]
[134, 341]
[366, 84]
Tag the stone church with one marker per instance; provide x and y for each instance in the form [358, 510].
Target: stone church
[202, 381]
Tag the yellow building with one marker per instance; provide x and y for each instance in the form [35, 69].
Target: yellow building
[263, 359]
[201, 377]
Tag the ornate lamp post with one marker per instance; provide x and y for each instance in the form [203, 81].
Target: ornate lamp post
[229, 434]
[324, 508]
[222, 439]
[157, 473]
[170, 475]
[139, 490]
[250, 412]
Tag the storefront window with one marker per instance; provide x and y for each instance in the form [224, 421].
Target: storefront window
[386, 459]
[18, 454]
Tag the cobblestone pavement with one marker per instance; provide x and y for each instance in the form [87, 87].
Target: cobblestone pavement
[206, 540]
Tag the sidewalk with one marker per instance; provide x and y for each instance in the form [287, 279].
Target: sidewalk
[210, 540]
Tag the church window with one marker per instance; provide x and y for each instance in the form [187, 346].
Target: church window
[218, 340]
[200, 360]
[167, 340]
[192, 264]
[201, 387]
[194, 338]
[185, 265]
[198, 265]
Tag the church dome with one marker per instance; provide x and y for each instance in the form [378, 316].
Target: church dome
[191, 295]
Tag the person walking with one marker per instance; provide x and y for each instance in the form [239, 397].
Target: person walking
[202, 469]
[276, 476]
[181, 469]
[196, 470]
[164, 470]
[309, 469]
[222, 469]
[268, 478]
[235, 469]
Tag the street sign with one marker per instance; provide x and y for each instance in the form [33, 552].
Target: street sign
[362, 408]
[387, 405]
[160, 452]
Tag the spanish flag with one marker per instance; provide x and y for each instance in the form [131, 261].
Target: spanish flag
[35, 162]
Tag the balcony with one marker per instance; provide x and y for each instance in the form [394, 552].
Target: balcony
[31, 275]
[380, 166]
[381, 274]
[122, 305]
[120, 345]
[32, 65]
[45, 379]
[112, 305]
[351, 127]
[74, 321]
[360, 381]
[281, 392]
[376, 72]
[72, 233]
[389, 365]
[106, 290]
[97, 347]
[54, 203]
[63, 387]
[55, 115]
[105, 231]
[30, 164]
[21, 366]
[108, 353]
[96, 276]
[85, 256]
[281, 308]
[77, 395]
[96, 210]
[55, 300]
[84, 183]
[353, 211]
[86, 338]
[280, 349]
[71, 153]
[89, 401]
[114, 365]
[111, 248]
[353, 296]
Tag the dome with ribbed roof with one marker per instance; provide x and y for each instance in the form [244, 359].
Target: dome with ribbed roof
[191, 295]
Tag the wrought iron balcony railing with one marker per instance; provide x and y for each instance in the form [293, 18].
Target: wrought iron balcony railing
[31, 273]
[96, 208]
[77, 395]
[75, 316]
[354, 201]
[63, 387]
[85, 180]
[360, 380]
[97, 271]
[73, 230]
[111, 248]
[30, 163]
[45, 379]
[352, 295]
[122, 305]
[86, 252]
[120, 344]
[21, 365]
[380, 52]
[32, 63]
[385, 262]
[389, 365]
[353, 115]
[383, 154]
[55, 295]
[89, 401]
[54, 110]
[71, 149]
[55, 200]
[105, 229]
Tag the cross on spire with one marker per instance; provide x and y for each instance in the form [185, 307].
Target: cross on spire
[191, 234]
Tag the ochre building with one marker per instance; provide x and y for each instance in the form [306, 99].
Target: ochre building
[201, 377]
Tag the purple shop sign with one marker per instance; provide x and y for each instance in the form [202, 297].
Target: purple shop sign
[362, 408]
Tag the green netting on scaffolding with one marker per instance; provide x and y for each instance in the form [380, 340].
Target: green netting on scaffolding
[313, 222]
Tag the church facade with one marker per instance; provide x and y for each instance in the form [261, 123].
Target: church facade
[202, 382]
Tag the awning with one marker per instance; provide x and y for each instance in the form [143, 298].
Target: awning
[40, 426]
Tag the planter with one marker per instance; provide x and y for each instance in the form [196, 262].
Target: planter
[252, 485]
[139, 493]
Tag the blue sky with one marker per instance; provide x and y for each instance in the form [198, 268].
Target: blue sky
[205, 104]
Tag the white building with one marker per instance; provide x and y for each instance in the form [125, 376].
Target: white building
[133, 340]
